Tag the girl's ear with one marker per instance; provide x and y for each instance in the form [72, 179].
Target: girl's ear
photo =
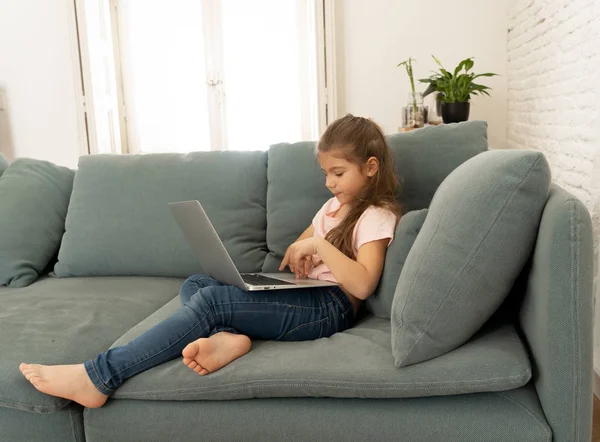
[372, 166]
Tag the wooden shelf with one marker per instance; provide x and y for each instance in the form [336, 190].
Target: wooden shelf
[408, 129]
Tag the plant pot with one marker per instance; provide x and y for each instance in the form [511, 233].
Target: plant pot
[455, 112]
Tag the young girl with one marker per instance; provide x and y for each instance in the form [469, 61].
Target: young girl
[346, 243]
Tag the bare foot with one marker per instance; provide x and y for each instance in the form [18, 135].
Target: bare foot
[206, 355]
[66, 381]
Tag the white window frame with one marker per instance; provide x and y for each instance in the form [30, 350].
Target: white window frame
[213, 49]
[84, 145]
[326, 63]
[86, 104]
[119, 77]
[324, 40]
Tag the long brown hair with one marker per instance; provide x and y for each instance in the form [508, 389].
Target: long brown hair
[359, 139]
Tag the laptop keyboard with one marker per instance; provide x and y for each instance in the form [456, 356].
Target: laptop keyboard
[256, 279]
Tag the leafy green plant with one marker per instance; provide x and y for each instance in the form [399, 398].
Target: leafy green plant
[455, 87]
[408, 65]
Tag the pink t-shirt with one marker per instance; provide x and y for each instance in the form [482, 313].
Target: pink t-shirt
[375, 223]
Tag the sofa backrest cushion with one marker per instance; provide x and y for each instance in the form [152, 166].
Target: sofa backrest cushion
[295, 193]
[425, 157]
[477, 237]
[119, 222]
[380, 302]
[34, 197]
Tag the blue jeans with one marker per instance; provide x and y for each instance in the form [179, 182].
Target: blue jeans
[208, 307]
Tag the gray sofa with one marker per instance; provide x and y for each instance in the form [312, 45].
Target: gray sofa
[117, 263]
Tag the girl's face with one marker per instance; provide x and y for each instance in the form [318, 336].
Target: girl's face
[343, 178]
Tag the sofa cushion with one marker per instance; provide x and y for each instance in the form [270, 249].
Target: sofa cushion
[380, 302]
[119, 210]
[425, 157]
[478, 234]
[3, 164]
[355, 363]
[67, 321]
[34, 196]
[295, 193]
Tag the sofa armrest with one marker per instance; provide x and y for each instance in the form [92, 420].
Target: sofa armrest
[556, 316]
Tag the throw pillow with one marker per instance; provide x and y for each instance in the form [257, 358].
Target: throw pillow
[478, 234]
[380, 302]
[34, 198]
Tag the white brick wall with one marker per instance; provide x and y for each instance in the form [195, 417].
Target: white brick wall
[553, 98]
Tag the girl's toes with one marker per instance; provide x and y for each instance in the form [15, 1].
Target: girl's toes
[186, 361]
[198, 369]
[203, 372]
[193, 365]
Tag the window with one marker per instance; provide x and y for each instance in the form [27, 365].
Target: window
[195, 75]
[162, 59]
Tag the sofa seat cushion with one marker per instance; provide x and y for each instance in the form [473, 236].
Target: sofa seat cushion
[67, 321]
[356, 363]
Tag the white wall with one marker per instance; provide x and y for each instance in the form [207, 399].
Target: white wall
[373, 36]
[38, 81]
[553, 92]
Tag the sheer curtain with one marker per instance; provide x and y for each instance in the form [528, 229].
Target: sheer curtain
[162, 58]
[263, 76]
[262, 83]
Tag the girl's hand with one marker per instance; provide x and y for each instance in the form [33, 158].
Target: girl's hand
[298, 257]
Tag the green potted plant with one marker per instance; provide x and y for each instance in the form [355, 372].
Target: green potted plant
[415, 117]
[454, 90]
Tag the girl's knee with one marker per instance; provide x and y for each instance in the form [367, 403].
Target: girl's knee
[192, 284]
[203, 298]
[199, 279]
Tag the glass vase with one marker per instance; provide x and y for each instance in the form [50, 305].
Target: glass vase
[435, 114]
[415, 111]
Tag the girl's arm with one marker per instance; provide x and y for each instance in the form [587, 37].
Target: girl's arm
[360, 277]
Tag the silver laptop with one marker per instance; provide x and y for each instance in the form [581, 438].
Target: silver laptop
[212, 255]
